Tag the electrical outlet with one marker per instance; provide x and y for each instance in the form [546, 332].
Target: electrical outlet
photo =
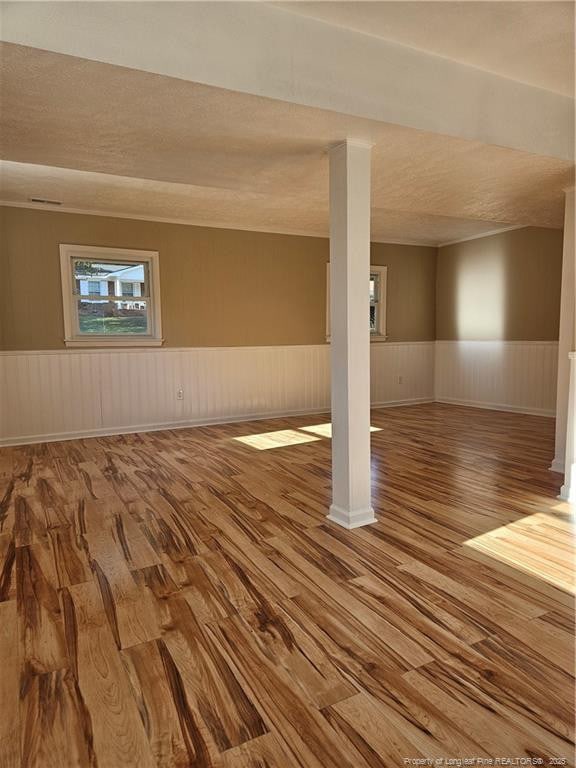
[180, 394]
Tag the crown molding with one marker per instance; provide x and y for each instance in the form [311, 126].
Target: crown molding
[488, 234]
[191, 223]
[157, 219]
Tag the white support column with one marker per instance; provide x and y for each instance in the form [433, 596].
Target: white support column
[568, 490]
[565, 341]
[350, 333]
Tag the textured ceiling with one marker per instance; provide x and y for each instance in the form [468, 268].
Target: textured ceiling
[532, 42]
[107, 194]
[150, 145]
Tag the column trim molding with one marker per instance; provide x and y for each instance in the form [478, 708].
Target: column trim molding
[351, 520]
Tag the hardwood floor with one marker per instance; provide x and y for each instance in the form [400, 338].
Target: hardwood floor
[178, 598]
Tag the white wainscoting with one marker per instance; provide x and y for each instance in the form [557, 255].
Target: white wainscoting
[505, 375]
[72, 393]
[63, 394]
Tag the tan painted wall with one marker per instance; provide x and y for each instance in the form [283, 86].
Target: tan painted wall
[411, 277]
[505, 286]
[219, 287]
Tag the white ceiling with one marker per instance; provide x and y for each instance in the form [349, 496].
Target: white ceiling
[531, 42]
[114, 140]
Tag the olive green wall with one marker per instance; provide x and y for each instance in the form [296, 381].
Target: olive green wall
[506, 286]
[219, 287]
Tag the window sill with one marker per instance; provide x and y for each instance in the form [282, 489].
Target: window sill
[375, 338]
[111, 344]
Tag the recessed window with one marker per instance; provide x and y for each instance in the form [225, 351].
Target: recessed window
[377, 307]
[111, 296]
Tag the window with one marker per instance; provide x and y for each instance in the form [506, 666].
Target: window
[377, 293]
[374, 302]
[93, 287]
[111, 296]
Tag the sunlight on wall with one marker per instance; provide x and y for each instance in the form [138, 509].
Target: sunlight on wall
[539, 545]
[480, 297]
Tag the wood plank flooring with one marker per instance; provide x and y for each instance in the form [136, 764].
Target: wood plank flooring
[178, 598]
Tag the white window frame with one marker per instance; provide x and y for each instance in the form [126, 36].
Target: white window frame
[380, 333]
[72, 335]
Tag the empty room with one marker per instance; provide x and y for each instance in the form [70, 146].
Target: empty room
[287, 384]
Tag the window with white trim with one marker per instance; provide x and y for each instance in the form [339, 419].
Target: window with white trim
[377, 294]
[111, 296]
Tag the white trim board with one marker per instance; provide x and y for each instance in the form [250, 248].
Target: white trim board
[131, 430]
[491, 232]
[54, 208]
[197, 223]
[135, 350]
[64, 436]
[496, 407]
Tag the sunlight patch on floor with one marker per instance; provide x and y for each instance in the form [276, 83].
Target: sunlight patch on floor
[286, 437]
[279, 439]
[540, 545]
[325, 430]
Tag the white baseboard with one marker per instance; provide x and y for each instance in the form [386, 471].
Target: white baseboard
[186, 424]
[557, 466]
[398, 403]
[130, 430]
[497, 406]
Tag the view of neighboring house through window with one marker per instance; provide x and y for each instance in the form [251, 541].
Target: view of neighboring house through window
[94, 288]
[377, 288]
[374, 301]
[109, 298]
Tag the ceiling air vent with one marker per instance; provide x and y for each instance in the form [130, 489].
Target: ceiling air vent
[44, 201]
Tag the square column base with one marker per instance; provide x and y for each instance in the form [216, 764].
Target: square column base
[557, 466]
[349, 520]
[568, 490]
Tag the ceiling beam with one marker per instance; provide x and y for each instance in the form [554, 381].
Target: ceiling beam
[260, 49]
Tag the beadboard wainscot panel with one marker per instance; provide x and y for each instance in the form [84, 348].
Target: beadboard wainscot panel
[402, 372]
[507, 375]
[60, 394]
[48, 394]
[52, 395]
